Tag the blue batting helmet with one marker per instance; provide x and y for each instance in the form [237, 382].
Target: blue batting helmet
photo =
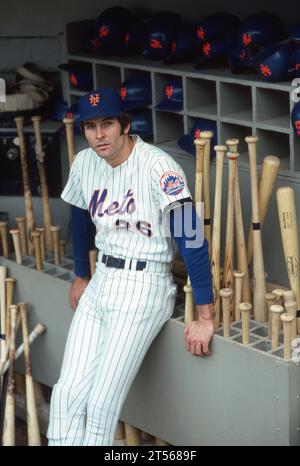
[258, 31]
[160, 31]
[80, 75]
[202, 124]
[295, 119]
[183, 46]
[173, 96]
[135, 92]
[141, 123]
[110, 29]
[216, 25]
[275, 63]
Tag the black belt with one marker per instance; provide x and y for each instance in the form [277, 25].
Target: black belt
[119, 263]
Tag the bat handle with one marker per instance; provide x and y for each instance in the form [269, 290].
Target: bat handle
[287, 320]
[245, 310]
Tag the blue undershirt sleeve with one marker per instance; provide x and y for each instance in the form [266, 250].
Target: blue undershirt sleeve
[83, 240]
[196, 259]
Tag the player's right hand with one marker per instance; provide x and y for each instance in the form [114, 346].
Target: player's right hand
[77, 288]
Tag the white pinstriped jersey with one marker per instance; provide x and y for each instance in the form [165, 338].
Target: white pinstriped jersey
[126, 202]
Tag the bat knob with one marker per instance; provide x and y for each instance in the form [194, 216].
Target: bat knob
[251, 139]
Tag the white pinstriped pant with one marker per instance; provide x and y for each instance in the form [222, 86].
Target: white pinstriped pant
[118, 316]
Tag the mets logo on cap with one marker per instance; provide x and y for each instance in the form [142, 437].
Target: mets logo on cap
[171, 183]
[94, 99]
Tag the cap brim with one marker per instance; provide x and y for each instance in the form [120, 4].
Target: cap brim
[91, 115]
[170, 105]
[186, 143]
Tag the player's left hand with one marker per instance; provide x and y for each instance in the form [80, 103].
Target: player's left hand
[197, 335]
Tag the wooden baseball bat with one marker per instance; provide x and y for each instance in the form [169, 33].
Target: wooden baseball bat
[216, 234]
[55, 229]
[36, 236]
[291, 308]
[276, 311]
[200, 145]
[33, 430]
[287, 320]
[9, 421]
[238, 284]
[36, 120]
[4, 238]
[42, 231]
[120, 431]
[3, 311]
[289, 236]
[69, 124]
[259, 284]
[38, 330]
[267, 180]
[132, 435]
[245, 310]
[189, 310]
[10, 285]
[160, 442]
[62, 247]
[17, 245]
[21, 221]
[206, 136]
[6, 363]
[226, 296]
[241, 252]
[270, 299]
[29, 211]
[288, 296]
[228, 259]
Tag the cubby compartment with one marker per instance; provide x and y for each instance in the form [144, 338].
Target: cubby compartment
[201, 97]
[236, 102]
[229, 131]
[233, 332]
[252, 324]
[264, 345]
[108, 76]
[273, 109]
[239, 339]
[274, 143]
[169, 127]
[296, 159]
[261, 331]
[166, 87]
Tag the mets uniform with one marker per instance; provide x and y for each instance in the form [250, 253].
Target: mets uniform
[130, 296]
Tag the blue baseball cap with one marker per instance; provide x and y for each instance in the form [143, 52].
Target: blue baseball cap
[173, 96]
[99, 103]
[186, 142]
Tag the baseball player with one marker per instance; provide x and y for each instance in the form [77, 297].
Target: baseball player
[133, 192]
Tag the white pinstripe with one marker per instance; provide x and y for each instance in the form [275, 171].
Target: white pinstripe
[105, 348]
[121, 310]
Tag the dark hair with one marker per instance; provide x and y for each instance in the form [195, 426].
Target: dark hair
[124, 119]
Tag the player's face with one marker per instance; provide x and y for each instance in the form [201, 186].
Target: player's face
[105, 138]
